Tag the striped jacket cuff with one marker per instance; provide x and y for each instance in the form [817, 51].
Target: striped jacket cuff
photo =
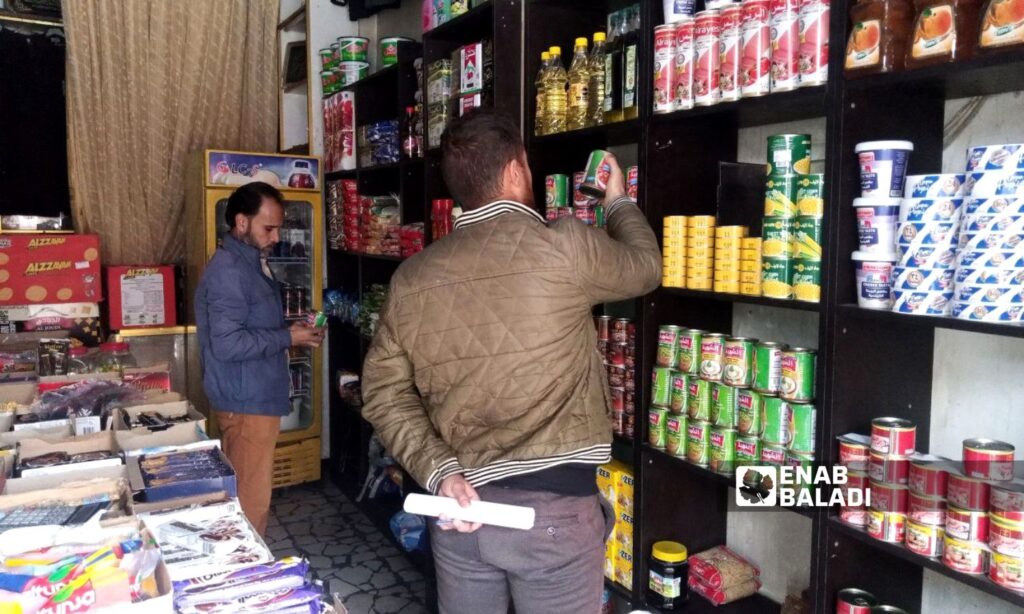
[617, 204]
[447, 468]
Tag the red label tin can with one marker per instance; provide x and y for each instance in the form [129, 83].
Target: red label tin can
[927, 478]
[888, 469]
[684, 64]
[965, 557]
[785, 32]
[889, 498]
[988, 459]
[664, 68]
[731, 45]
[813, 59]
[926, 510]
[1006, 536]
[967, 525]
[924, 539]
[853, 455]
[967, 493]
[894, 436]
[1007, 571]
[887, 526]
[1008, 500]
[755, 62]
[707, 59]
[855, 601]
[854, 515]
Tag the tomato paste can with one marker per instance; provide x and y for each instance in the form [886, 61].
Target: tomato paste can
[755, 64]
[707, 32]
[1008, 501]
[855, 601]
[888, 469]
[617, 354]
[1006, 536]
[664, 68]
[926, 510]
[967, 493]
[889, 497]
[775, 421]
[656, 433]
[894, 436]
[748, 412]
[924, 539]
[731, 45]
[814, 38]
[768, 366]
[633, 182]
[773, 455]
[887, 526]
[967, 525]
[712, 352]
[853, 455]
[738, 362]
[675, 436]
[684, 64]
[618, 399]
[1007, 571]
[620, 330]
[598, 171]
[689, 350]
[604, 328]
[722, 450]
[927, 478]
[353, 48]
[680, 385]
[661, 387]
[854, 515]
[556, 191]
[668, 343]
[988, 459]
[628, 426]
[798, 375]
[748, 450]
[803, 421]
[616, 376]
[965, 557]
[723, 406]
[698, 440]
[698, 400]
[785, 32]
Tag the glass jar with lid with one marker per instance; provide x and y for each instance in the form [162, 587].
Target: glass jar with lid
[115, 356]
[944, 31]
[668, 573]
[879, 37]
[79, 361]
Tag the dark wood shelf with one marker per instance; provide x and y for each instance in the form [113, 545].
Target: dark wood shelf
[388, 72]
[980, 582]
[622, 449]
[993, 73]
[755, 604]
[743, 298]
[617, 133]
[390, 166]
[617, 589]
[380, 257]
[340, 174]
[803, 103]
[474, 24]
[1004, 329]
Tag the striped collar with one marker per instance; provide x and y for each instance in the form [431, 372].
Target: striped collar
[493, 210]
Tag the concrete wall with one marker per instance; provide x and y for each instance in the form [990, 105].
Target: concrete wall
[403, 21]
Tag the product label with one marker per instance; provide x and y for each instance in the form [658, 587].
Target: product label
[935, 32]
[608, 104]
[629, 91]
[876, 280]
[814, 40]
[142, 299]
[577, 95]
[731, 41]
[707, 61]
[863, 48]
[667, 587]
[785, 32]
[755, 66]
[1003, 24]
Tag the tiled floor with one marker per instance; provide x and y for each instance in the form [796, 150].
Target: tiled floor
[345, 550]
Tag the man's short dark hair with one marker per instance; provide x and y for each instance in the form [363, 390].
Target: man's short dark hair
[476, 148]
[248, 198]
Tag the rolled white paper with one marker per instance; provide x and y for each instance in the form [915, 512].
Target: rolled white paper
[484, 512]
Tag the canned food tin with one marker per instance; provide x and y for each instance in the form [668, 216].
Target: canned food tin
[777, 278]
[722, 450]
[856, 515]
[777, 237]
[773, 455]
[755, 67]
[698, 400]
[353, 48]
[967, 525]
[598, 171]
[604, 328]
[808, 235]
[556, 191]
[1007, 571]
[712, 349]
[617, 354]
[668, 343]
[888, 469]
[775, 421]
[853, 455]
[723, 406]
[894, 436]
[628, 426]
[1006, 536]
[785, 31]
[684, 64]
[1008, 501]
[748, 450]
[965, 557]
[680, 383]
[750, 289]
[889, 497]
[702, 221]
[698, 440]
[768, 367]
[675, 436]
[807, 280]
[926, 510]
[661, 387]
[988, 459]
[738, 362]
[798, 374]
[810, 196]
[617, 418]
[887, 526]
[927, 478]
[802, 427]
[664, 68]
[780, 196]
[689, 350]
[656, 433]
[618, 399]
[616, 376]
[855, 601]
[620, 330]
[707, 58]
[731, 46]
[789, 154]
[727, 287]
[967, 493]
[698, 284]
[924, 539]
[814, 37]
[748, 412]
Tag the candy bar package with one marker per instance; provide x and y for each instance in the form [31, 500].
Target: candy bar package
[182, 473]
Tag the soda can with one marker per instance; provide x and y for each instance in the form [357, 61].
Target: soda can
[731, 46]
[664, 68]
[707, 58]
[595, 181]
[748, 412]
[722, 450]
[755, 67]
[723, 406]
[680, 389]
[668, 344]
[775, 421]
[802, 427]
[689, 350]
[698, 442]
[633, 182]
[785, 31]
[739, 358]
[807, 280]
[656, 433]
[768, 366]
[748, 450]
[556, 191]
[798, 375]
[814, 36]
[698, 400]
[789, 154]
[684, 64]
[675, 438]
[712, 351]
[661, 387]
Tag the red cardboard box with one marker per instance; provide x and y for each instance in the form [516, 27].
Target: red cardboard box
[141, 296]
[38, 268]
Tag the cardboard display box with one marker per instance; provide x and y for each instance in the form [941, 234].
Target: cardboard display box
[141, 296]
[167, 408]
[81, 321]
[50, 269]
[180, 489]
[97, 442]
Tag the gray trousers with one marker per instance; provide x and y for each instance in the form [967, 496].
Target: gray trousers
[555, 568]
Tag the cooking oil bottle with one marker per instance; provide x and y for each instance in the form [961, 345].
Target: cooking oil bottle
[595, 93]
[540, 119]
[579, 82]
[554, 93]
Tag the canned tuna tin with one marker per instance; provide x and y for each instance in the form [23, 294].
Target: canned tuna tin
[748, 412]
[887, 526]
[924, 539]
[680, 383]
[894, 436]
[775, 421]
[1006, 537]
[988, 459]
[698, 440]
[853, 455]
[675, 436]
[661, 387]
[1007, 571]
[772, 454]
[798, 375]
[888, 497]
[967, 525]
[723, 406]
[689, 350]
[668, 343]
[888, 469]
[926, 510]
[965, 557]
[620, 330]
[967, 493]
[598, 171]
[755, 67]
[855, 601]
[712, 349]
[768, 367]
[656, 433]
[927, 478]
[722, 450]
[604, 328]
[789, 154]
[802, 424]
[698, 400]
[748, 450]
[738, 362]
[664, 68]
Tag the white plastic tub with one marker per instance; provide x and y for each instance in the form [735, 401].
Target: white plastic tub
[883, 167]
[876, 223]
[874, 279]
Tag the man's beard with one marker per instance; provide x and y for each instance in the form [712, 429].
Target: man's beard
[248, 239]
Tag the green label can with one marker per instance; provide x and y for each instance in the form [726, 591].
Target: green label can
[748, 450]
[768, 367]
[810, 195]
[775, 421]
[326, 58]
[661, 386]
[802, 424]
[780, 196]
[777, 278]
[798, 375]
[722, 452]
[773, 455]
[748, 412]
[799, 460]
[723, 406]
[712, 351]
[807, 238]
[689, 350]
[738, 362]
[789, 154]
[698, 440]
[556, 191]
[599, 216]
[657, 419]
[598, 172]
[675, 442]
[807, 280]
[680, 386]
[668, 346]
[698, 400]
[353, 48]
[777, 237]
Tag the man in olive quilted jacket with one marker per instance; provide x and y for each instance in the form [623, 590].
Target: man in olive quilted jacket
[484, 379]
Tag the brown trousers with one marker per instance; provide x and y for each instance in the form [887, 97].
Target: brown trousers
[248, 442]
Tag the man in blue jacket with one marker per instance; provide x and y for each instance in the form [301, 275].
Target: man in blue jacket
[244, 341]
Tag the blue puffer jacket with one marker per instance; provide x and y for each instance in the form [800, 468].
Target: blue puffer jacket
[243, 337]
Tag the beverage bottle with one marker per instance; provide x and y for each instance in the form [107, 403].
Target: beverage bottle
[630, 45]
[554, 93]
[540, 117]
[612, 105]
[595, 95]
[579, 82]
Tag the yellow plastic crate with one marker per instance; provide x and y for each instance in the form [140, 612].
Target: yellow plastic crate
[297, 463]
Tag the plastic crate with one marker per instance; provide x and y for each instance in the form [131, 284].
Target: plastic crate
[297, 463]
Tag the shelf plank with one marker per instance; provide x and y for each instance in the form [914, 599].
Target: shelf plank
[340, 174]
[985, 75]
[1007, 329]
[388, 72]
[617, 133]
[380, 257]
[803, 103]
[742, 298]
[477, 23]
[755, 604]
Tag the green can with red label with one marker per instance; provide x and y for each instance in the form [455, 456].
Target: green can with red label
[668, 346]
[738, 361]
[689, 350]
[675, 437]
[773, 455]
[800, 460]
[698, 443]
[723, 406]
[556, 191]
[797, 381]
[597, 174]
[661, 386]
[803, 419]
[748, 450]
[748, 412]
[698, 399]
[656, 428]
[768, 366]
[722, 450]
[680, 385]
[775, 421]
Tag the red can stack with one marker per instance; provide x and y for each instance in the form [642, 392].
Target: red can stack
[616, 342]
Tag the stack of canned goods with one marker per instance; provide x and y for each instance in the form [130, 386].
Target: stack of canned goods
[793, 208]
[750, 266]
[700, 250]
[343, 63]
[893, 441]
[728, 252]
[556, 197]
[616, 340]
[857, 601]
[673, 252]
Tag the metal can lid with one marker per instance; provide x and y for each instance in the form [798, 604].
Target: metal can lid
[715, 335]
[987, 445]
[743, 339]
[772, 344]
[695, 331]
[893, 423]
[855, 596]
[802, 350]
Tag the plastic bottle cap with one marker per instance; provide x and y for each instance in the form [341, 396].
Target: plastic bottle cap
[555, 51]
[545, 56]
[600, 37]
[581, 42]
[669, 552]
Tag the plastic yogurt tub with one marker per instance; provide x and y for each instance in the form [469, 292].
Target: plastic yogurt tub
[922, 280]
[874, 279]
[993, 222]
[989, 294]
[883, 167]
[989, 206]
[928, 257]
[923, 303]
[876, 223]
[995, 183]
[995, 157]
[988, 313]
[967, 276]
[939, 209]
[991, 259]
[993, 240]
[949, 185]
[913, 234]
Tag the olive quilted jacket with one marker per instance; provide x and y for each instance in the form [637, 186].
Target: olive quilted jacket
[485, 359]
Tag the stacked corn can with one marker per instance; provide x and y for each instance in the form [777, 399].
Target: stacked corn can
[673, 252]
[700, 250]
[728, 250]
[750, 266]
